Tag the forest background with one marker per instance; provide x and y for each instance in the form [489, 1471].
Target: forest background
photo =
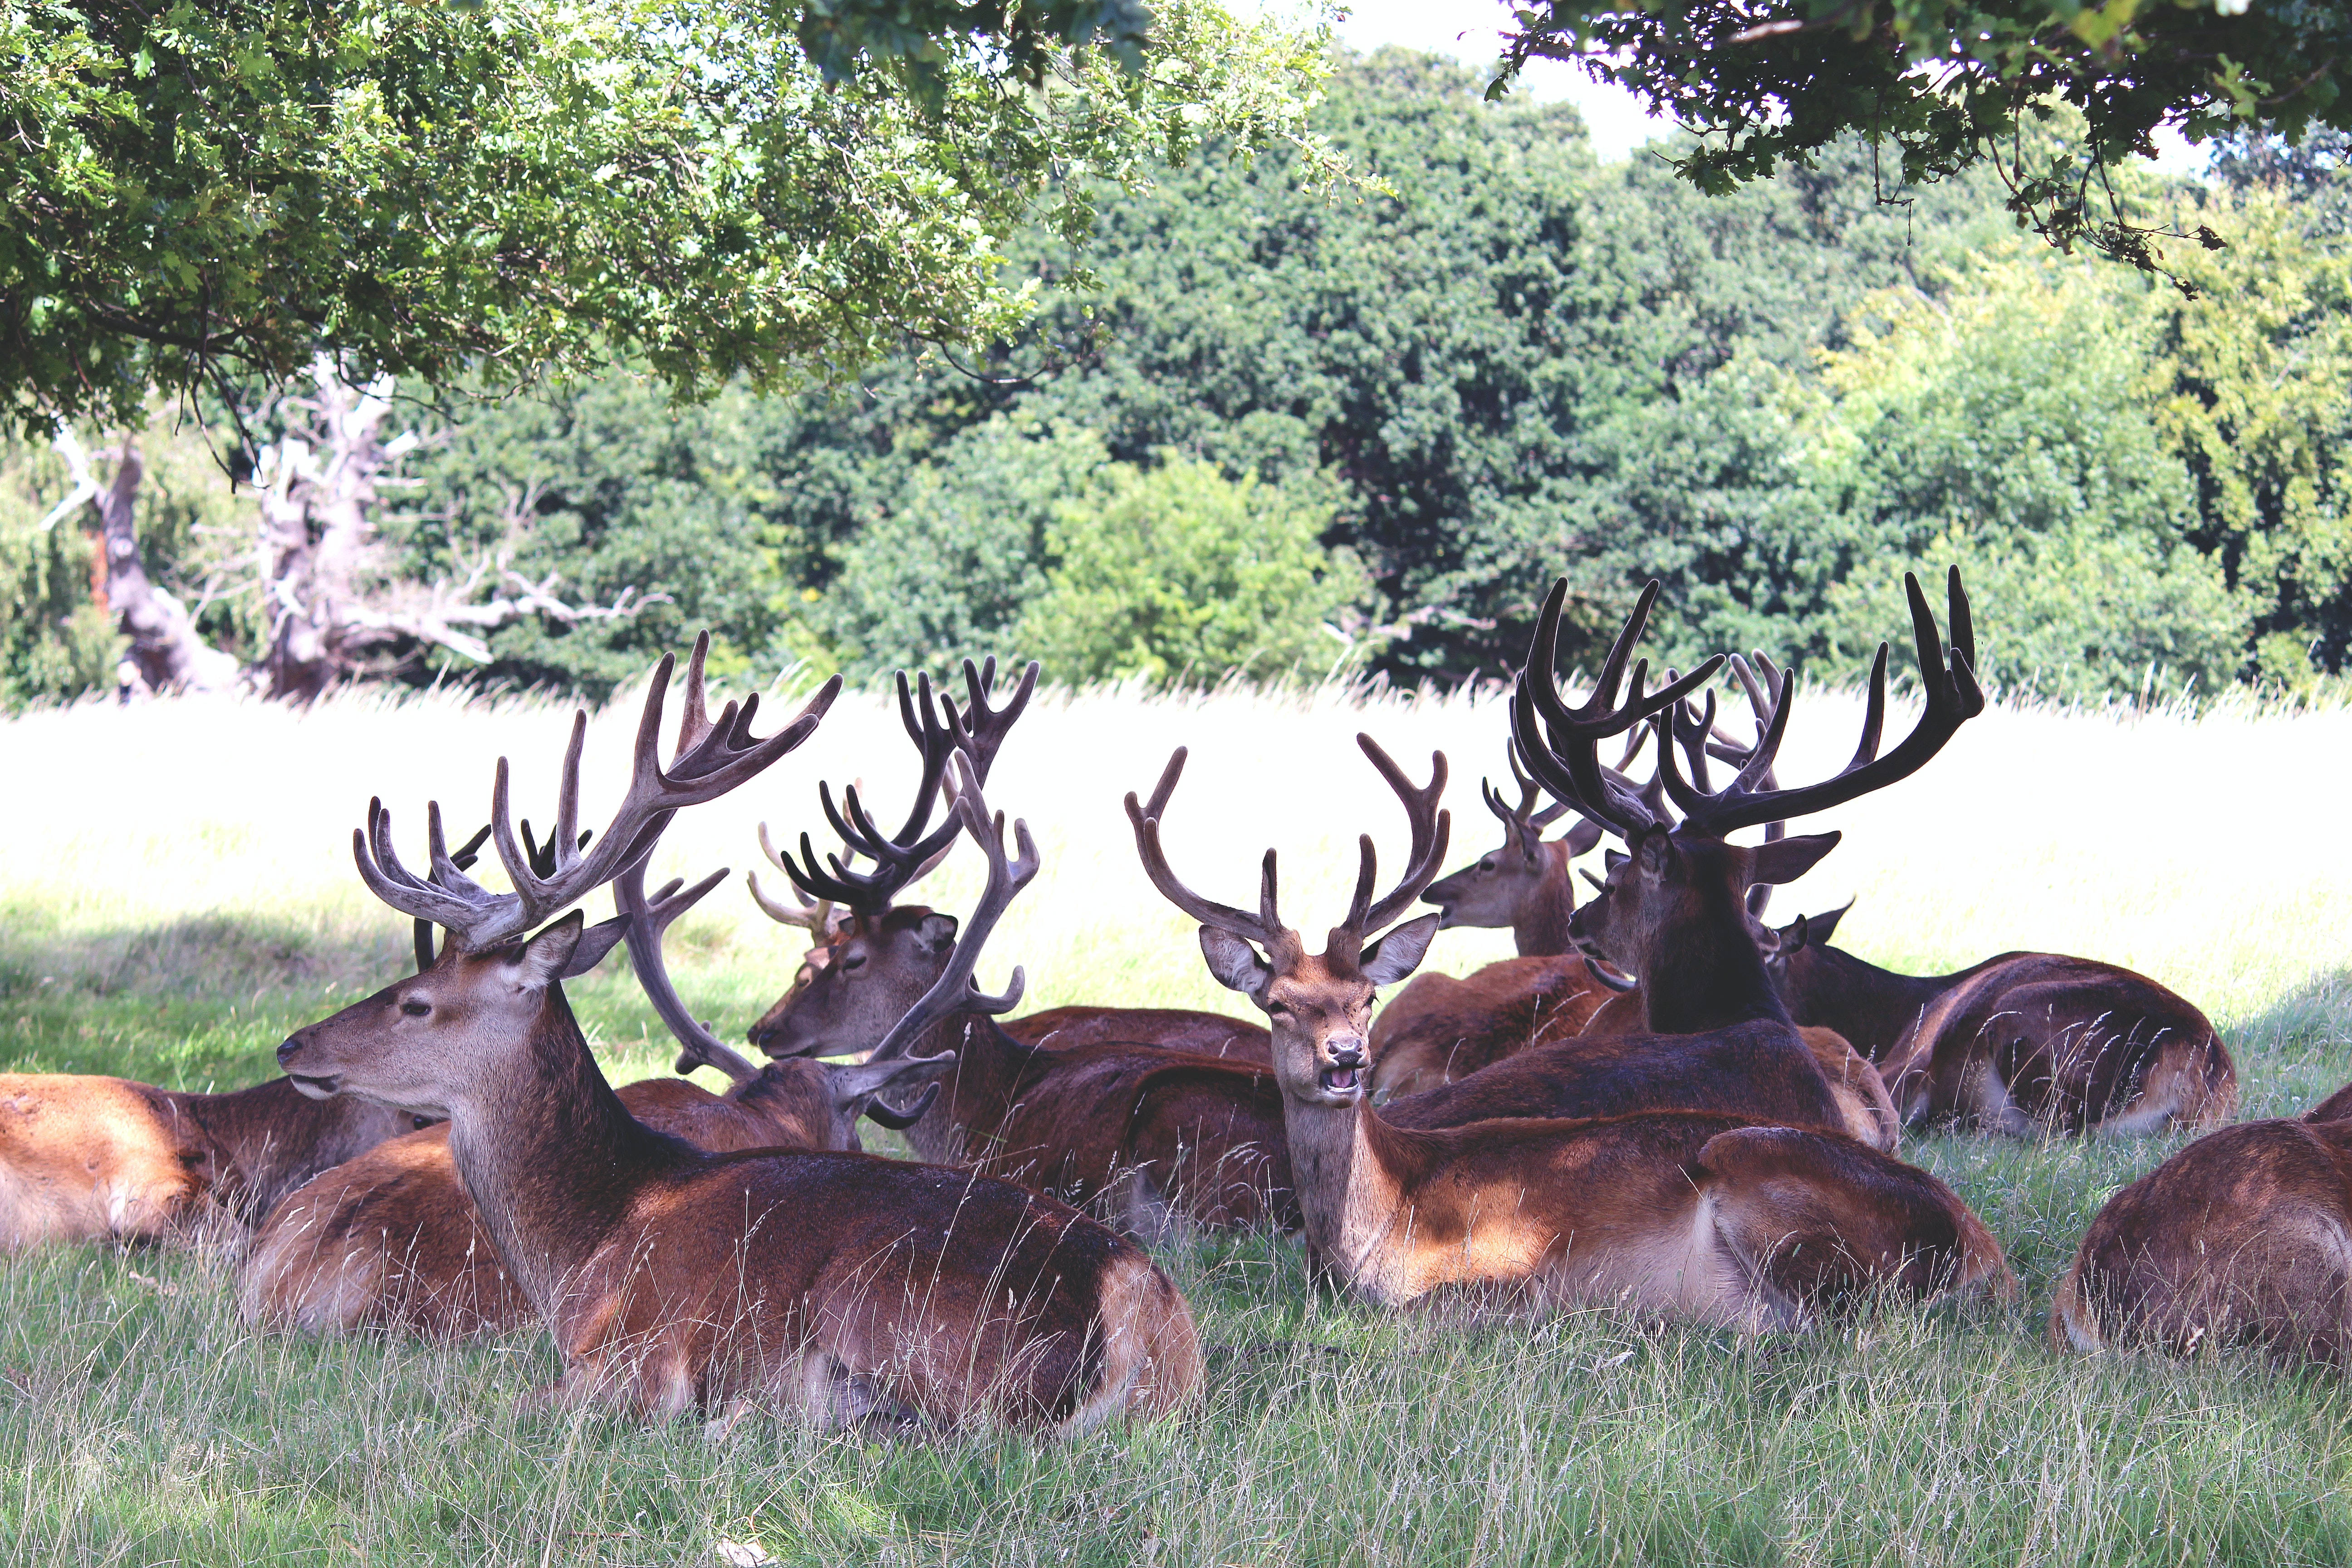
[1267, 427]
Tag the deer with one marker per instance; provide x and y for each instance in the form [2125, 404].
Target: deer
[2244, 1238]
[391, 1240]
[2022, 1042]
[1439, 1029]
[842, 1287]
[89, 1157]
[1154, 1137]
[1703, 1216]
[857, 906]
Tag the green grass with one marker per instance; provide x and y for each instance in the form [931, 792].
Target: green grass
[156, 928]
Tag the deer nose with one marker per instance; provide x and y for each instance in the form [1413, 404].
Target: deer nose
[289, 1049]
[1346, 1052]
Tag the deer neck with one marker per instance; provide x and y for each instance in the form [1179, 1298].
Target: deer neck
[980, 1091]
[1541, 929]
[551, 1157]
[271, 1138]
[1703, 971]
[1876, 1009]
[1355, 1176]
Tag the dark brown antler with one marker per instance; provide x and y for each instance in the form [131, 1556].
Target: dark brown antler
[954, 991]
[1265, 928]
[711, 758]
[1557, 742]
[1952, 697]
[979, 728]
[1431, 828]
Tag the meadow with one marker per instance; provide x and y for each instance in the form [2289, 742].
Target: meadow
[177, 893]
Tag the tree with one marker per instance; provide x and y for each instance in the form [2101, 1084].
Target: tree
[1181, 575]
[1950, 85]
[196, 192]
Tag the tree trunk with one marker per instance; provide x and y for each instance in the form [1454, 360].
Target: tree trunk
[165, 648]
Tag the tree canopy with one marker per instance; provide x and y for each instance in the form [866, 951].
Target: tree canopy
[194, 192]
[1951, 84]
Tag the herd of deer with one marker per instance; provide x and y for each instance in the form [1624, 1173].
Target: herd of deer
[1662, 1105]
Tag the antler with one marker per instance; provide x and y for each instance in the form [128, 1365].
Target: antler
[711, 758]
[1952, 697]
[649, 921]
[1524, 823]
[902, 859]
[1431, 828]
[954, 991]
[1265, 928]
[1559, 751]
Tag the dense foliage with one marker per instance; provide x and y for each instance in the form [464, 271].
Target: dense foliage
[1949, 85]
[191, 191]
[1269, 411]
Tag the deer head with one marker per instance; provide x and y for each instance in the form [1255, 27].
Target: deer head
[1319, 1005]
[880, 958]
[440, 1036]
[1495, 889]
[1682, 890]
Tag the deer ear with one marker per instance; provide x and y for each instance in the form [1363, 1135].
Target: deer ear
[1821, 928]
[938, 932]
[1615, 859]
[545, 958]
[1583, 838]
[1234, 963]
[1400, 952]
[595, 943]
[1786, 859]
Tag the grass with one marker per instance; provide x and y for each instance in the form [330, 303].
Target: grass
[175, 893]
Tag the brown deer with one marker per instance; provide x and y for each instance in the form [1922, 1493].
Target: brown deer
[1439, 1029]
[2244, 1238]
[1702, 1215]
[2022, 1042]
[390, 1239]
[857, 905]
[836, 1284]
[1155, 1138]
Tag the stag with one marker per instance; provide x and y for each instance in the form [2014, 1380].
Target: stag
[2022, 1042]
[1703, 1216]
[391, 1240]
[864, 926]
[837, 1285]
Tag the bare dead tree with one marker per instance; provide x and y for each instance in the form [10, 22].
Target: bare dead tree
[166, 650]
[334, 600]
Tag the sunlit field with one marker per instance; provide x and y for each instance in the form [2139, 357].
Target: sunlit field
[177, 892]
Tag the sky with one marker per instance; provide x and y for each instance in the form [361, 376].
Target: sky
[1467, 30]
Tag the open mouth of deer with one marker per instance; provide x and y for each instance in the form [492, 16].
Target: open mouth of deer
[1341, 1080]
[314, 1087]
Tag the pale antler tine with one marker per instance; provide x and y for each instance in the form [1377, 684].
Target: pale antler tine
[1268, 882]
[694, 724]
[807, 916]
[567, 796]
[768, 848]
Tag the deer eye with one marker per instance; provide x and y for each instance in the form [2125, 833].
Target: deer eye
[414, 1008]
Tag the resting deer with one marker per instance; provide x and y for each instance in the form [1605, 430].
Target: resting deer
[2022, 1042]
[836, 1284]
[1703, 1216]
[1440, 1028]
[1153, 1136]
[2244, 1238]
[859, 906]
[391, 1239]
[85, 1158]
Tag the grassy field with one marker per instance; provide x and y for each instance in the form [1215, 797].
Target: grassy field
[177, 892]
